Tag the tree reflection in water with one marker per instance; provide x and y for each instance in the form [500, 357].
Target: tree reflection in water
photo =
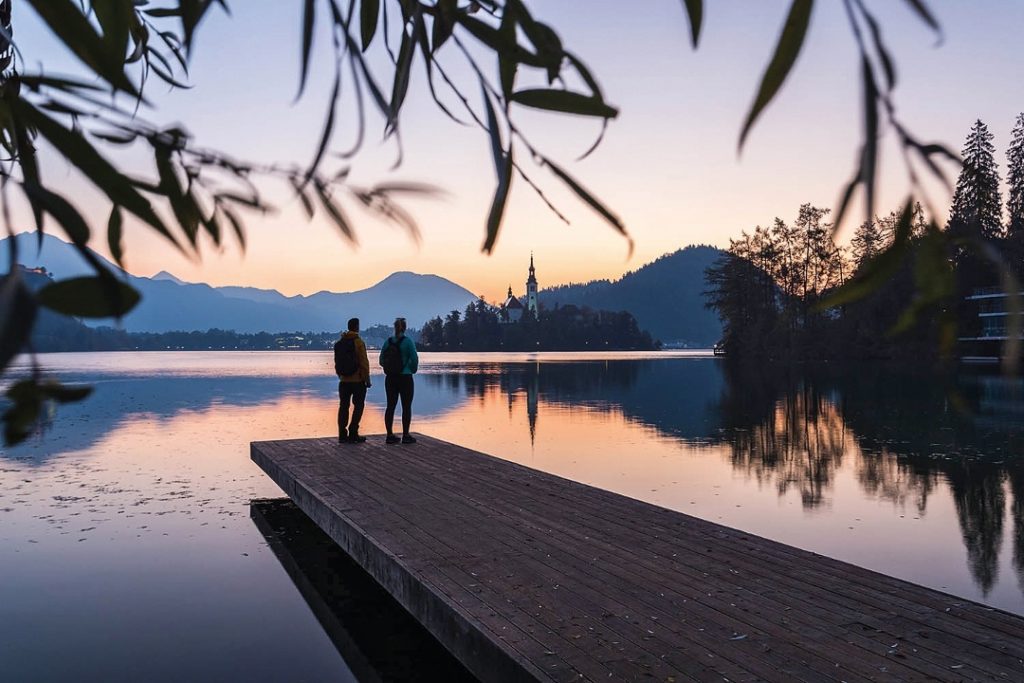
[904, 435]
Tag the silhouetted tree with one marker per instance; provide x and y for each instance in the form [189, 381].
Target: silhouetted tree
[452, 338]
[977, 210]
[432, 335]
[866, 243]
[1015, 194]
[766, 288]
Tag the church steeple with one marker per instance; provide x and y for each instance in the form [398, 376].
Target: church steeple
[509, 292]
[531, 290]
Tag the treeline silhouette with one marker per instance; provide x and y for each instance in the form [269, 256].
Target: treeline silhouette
[771, 288]
[562, 328]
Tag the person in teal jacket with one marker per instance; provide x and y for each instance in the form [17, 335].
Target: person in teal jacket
[398, 382]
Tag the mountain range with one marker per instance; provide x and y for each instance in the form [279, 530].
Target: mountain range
[169, 303]
[665, 296]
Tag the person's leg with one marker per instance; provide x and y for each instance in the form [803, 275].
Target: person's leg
[391, 392]
[407, 391]
[358, 403]
[343, 397]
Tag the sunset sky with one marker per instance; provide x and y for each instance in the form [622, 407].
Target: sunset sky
[668, 165]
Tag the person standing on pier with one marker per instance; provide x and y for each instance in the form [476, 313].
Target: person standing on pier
[353, 370]
[400, 361]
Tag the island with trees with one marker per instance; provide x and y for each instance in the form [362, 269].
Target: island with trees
[481, 327]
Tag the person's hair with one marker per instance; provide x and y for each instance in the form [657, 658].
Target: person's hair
[353, 324]
[399, 325]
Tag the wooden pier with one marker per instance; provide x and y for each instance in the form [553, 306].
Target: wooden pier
[523, 575]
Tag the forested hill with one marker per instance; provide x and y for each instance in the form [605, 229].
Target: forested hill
[665, 296]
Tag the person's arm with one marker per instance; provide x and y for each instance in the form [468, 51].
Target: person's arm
[380, 356]
[364, 362]
[414, 358]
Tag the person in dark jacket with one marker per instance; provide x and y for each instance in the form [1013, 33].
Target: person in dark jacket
[352, 387]
[398, 384]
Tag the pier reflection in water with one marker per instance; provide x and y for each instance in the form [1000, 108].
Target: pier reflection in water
[375, 636]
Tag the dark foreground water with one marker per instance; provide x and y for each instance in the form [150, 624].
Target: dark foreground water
[136, 542]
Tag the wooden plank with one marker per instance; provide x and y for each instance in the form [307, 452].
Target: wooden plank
[523, 575]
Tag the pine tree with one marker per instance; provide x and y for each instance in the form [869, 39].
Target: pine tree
[977, 209]
[1015, 179]
[867, 242]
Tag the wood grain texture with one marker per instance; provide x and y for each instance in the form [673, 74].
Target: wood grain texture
[523, 575]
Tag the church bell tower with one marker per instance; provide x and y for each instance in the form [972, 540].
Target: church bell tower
[531, 290]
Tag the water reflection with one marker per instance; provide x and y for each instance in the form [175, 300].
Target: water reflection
[376, 637]
[144, 489]
[904, 434]
[901, 434]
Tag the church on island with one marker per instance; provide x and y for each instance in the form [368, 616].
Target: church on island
[512, 310]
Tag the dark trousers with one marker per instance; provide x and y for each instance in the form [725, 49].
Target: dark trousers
[398, 387]
[356, 392]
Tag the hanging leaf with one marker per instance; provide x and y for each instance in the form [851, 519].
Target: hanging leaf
[878, 270]
[66, 215]
[589, 199]
[328, 129]
[503, 166]
[888, 66]
[17, 316]
[27, 398]
[236, 225]
[171, 187]
[869, 159]
[89, 297]
[369, 13]
[308, 24]
[335, 213]
[192, 13]
[444, 22]
[564, 101]
[492, 38]
[114, 237]
[786, 51]
[70, 25]
[115, 18]
[507, 66]
[403, 67]
[925, 14]
[80, 152]
[695, 13]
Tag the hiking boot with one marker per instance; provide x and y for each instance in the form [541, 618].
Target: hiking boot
[354, 437]
[391, 438]
[343, 437]
[408, 439]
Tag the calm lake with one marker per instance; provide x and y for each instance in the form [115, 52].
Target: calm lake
[135, 543]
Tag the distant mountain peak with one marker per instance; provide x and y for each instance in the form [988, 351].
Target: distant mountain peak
[164, 275]
[401, 276]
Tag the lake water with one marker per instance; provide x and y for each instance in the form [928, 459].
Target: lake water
[134, 544]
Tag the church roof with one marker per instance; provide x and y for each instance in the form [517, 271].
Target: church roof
[512, 302]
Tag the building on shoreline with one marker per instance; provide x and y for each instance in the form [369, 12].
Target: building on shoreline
[512, 310]
[986, 341]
